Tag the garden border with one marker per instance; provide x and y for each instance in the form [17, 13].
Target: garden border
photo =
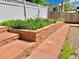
[38, 35]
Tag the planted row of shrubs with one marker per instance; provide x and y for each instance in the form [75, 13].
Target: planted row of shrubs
[30, 24]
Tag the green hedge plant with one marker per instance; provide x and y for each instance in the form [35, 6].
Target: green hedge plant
[31, 24]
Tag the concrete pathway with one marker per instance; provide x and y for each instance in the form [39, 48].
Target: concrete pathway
[73, 39]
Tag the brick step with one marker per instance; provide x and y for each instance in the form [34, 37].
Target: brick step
[3, 29]
[51, 48]
[7, 37]
[15, 50]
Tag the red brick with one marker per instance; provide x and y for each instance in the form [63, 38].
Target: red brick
[7, 37]
[51, 48]
[3, 29]
[14, 50]
[27, 35]
[39, 34]
[47, 31]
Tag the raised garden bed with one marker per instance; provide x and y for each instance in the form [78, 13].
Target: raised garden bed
[30, 24]
[38, 35]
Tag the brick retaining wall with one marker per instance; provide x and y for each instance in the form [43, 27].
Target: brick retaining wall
[39, 34]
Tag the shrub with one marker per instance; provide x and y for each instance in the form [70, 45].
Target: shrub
[17, 24]
[30, 24]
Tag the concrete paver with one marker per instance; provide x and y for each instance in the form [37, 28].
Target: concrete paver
[73, 39]
[51, 48]
[14, 50]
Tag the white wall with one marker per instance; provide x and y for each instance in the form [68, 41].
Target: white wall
[15, 10]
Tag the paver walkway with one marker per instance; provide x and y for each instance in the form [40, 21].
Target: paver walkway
[73, 39]
[51, 47]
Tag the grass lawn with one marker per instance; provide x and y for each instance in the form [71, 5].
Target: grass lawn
[67, 51]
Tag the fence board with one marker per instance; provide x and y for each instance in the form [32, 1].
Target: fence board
[69, 17]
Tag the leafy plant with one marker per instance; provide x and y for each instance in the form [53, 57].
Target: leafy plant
[68, 6]
[30, 24]
[42, 2]
[14, 23]
[68, 50]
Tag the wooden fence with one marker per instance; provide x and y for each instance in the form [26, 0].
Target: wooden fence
[69, 17]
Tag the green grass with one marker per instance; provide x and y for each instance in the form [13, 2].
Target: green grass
[67, 51]
[31, 24]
